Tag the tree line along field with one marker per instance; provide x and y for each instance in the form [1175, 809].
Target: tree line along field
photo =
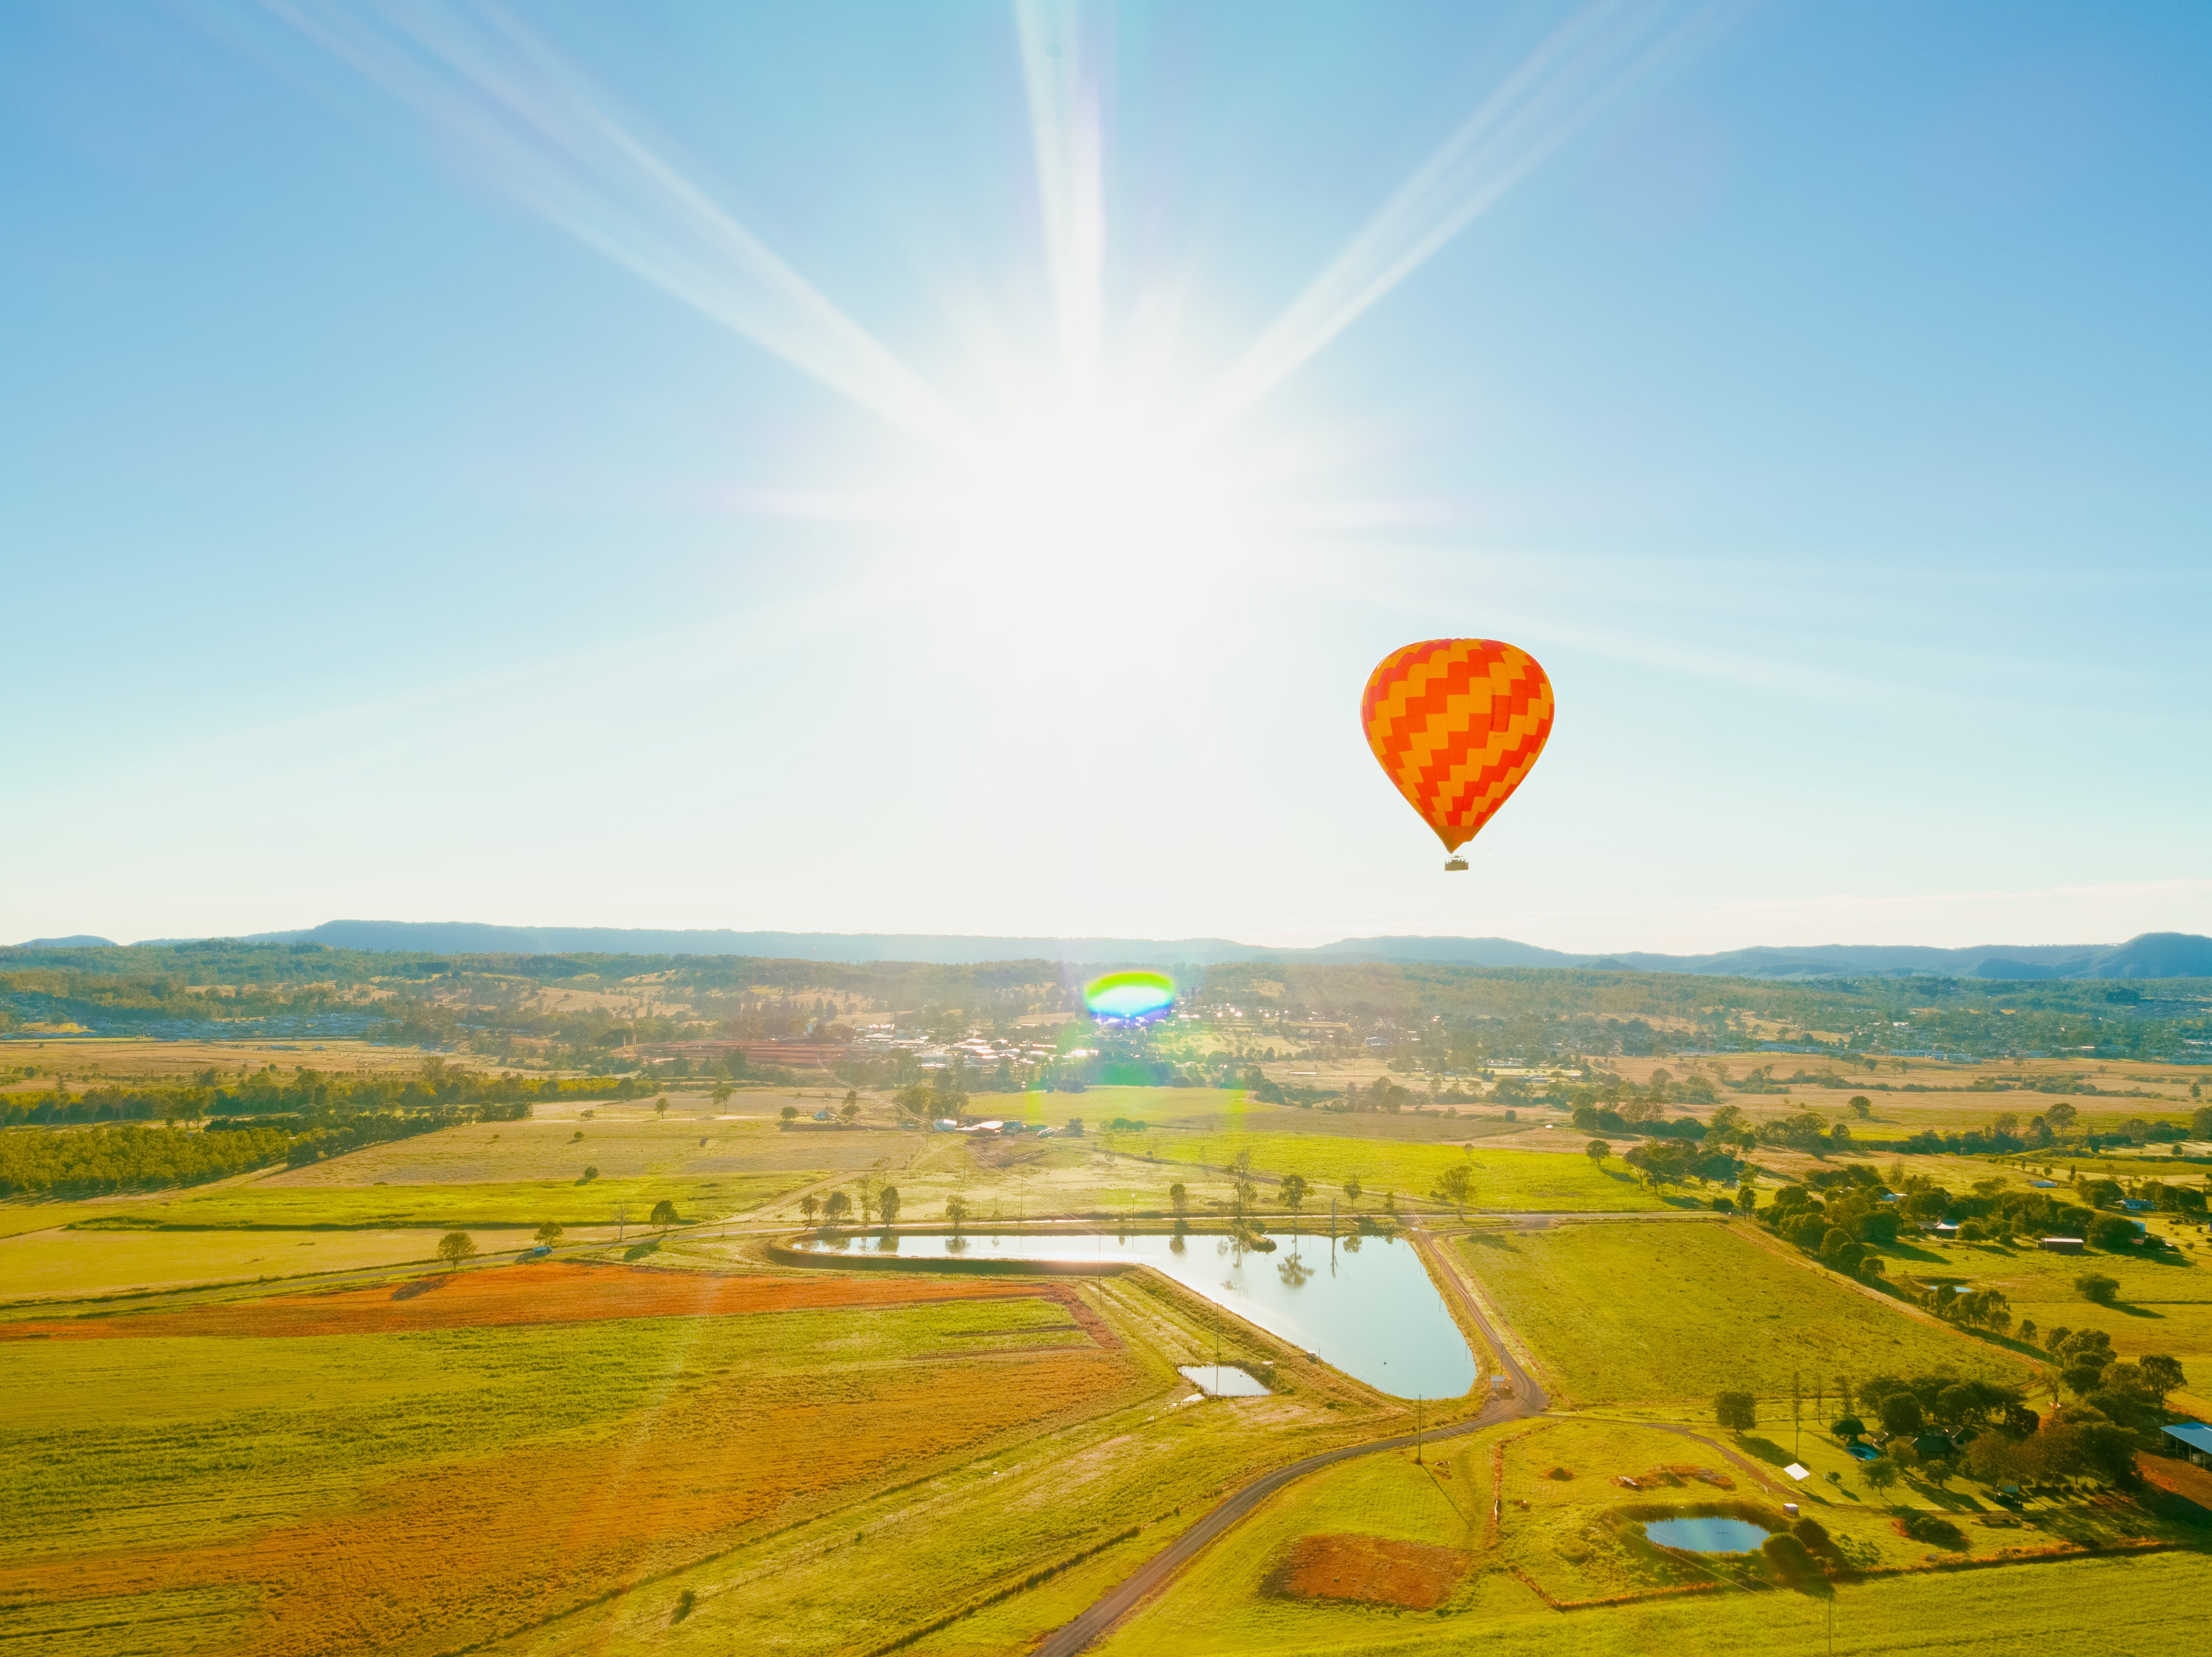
[1625, 1314]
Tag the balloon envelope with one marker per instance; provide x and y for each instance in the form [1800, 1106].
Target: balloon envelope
[1457, 723]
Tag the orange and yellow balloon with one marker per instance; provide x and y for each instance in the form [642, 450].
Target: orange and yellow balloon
[1457, 723]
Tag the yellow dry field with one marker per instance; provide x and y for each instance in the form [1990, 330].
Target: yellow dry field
[62, 1263]
[633, 1143]
[1915, 1093]
[90, 1061]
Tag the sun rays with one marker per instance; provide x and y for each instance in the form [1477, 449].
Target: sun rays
[534, 123]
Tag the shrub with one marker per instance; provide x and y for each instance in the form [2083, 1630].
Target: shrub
[1926, 1527]
[2095, 1286]
[1738, 1411]
[1787, 1558]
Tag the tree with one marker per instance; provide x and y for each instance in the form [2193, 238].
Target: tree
[956, 1210]
[2113, 1234]
[887, 1204]
[1294, 1191]
[550, 1232]
[664, 1213]
[1178, 1198]
[1862, 1107]
[721, 1094]
[850, 1109]
[660, 1106]
[2161, 1375]
[2095, 1286]
[1847, 1427]
[790, 1113]
[456, 1246]
[1456, 1185]
[1597, 1150]
[1901, 1414]
[1882, 1472]
[1352, 1189]
[1738, 1411]
[836, 1207]
[2060, 1116]
[808, 1204]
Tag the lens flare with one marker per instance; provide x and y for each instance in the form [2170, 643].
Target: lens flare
[1130, 997]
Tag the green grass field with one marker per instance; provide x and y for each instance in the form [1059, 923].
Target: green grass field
[64, 1263]
[519, 1202]
[1649, 1314]
[1516, 1181]
[2164, 1305]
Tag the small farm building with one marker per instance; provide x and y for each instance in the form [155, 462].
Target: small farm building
[2061, 1245]
[2192, 1441]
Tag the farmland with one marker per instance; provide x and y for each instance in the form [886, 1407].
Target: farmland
[515, 1472]
[252, 1416]
[2163, 1304]
[1641, 1313]
[1504, 1179]
[1563, 1538]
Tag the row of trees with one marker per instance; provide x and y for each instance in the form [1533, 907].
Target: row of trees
[304, 1094]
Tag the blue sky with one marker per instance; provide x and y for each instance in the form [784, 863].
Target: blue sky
[760, 503]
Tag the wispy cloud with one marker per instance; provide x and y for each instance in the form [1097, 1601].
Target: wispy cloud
[528, 121]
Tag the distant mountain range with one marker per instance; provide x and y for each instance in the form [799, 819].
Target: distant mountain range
[2151, 956]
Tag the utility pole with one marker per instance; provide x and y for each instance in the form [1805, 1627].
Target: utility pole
[1418, 1419]
[1797, 1411]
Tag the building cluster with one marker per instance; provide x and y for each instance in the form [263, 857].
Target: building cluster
[977, 1052]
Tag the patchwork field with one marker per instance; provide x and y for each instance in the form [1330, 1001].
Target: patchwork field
[1629, 1314]
[255, 1477]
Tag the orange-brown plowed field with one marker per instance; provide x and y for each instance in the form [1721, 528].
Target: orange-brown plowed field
[1371, 1568]
[541, 1294]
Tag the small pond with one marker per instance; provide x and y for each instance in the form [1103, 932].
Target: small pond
[1223, 1380]
[1863, 1452]
[1708, 1535]
[1365, 1305]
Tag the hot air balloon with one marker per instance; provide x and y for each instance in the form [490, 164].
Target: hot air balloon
[1457, 723]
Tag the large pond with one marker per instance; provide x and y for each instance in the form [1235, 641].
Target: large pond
[1708, 1535]
[1366, 1305]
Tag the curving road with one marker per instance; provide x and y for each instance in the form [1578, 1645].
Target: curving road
[1526, 1397]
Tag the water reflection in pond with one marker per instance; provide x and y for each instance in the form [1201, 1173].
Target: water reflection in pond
[1222, 1381]
[1708, 1535]
[1365, 1305]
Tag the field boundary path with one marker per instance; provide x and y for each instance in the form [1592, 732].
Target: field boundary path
[1526, 1397]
